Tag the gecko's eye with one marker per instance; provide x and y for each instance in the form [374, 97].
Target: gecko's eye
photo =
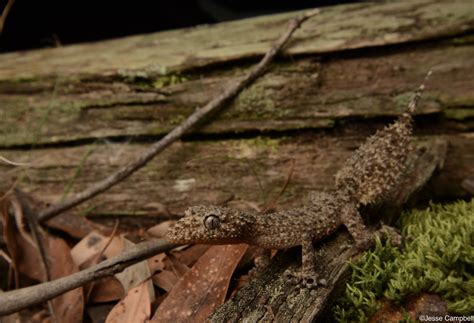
[212, 222]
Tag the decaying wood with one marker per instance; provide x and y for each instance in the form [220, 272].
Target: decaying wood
[316, 109]
[79, 113]
[18, 299]
[269, 297]
[187, 125]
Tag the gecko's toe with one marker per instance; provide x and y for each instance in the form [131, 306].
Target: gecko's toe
[392, 234]
[301, 279]
[364, 243]
[323, 282]
[291, 277]
[310, 282]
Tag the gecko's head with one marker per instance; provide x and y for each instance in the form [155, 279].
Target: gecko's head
[210, 225]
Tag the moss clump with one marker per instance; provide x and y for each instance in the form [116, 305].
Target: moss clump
[168, 80]
[438, 257]
[370, 276]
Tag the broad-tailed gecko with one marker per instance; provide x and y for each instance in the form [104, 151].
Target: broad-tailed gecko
[366, 177]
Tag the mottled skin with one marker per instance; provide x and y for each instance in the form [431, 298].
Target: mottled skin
[367, 176]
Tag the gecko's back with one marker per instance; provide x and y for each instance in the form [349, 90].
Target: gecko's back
[285, 229]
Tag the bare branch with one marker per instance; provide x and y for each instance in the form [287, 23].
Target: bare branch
[4, 15]
[9, 162]
[16, 300]
[192, 121]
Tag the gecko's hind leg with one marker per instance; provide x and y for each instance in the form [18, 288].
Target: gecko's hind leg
[306, 275]
[355, 225]
[363, 237]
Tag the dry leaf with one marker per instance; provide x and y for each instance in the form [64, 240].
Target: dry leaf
[136, 274]
[176, 265]
[203, 288]
[9, 234]
[98, 313]
[76, 226]
[88, 248]
[156, 263]
[69, 306]
[190, 255]
[92, 245]
[134, 308]
[165, 280]
[159, 230]
[107, 290]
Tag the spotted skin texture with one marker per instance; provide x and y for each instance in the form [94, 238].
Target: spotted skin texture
[271, 231]
[374, 169]
[367, 176]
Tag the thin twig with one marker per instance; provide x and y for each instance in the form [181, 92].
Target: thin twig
[4, 15]
[271, 204]
[192, 121]
[19, 299]
[9, 162]
[38, 241]
[99, 256]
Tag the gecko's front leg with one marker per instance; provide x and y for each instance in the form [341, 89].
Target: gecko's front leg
[306, 275]
[262, 261]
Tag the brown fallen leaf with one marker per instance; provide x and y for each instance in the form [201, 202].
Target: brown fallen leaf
[76, 226]
[426, 304]
[190, 255]
[92, 245]
[98, 313]
[9, 234]
[135, 307]
[176, 265]
[156, 263]
[159, 230]
[136, 274]
[415, 306]
[165, 280]
[203, 288]
[25, 255]
[180, 261]
[68, 307]
[107, 290]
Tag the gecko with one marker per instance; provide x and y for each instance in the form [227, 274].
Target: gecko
[365, 178]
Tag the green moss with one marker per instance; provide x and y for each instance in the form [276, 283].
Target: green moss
[262, 143]
[167, 80]
[466, 40]
[459, 113]
[370, 276]
[26, 78]
[437, 257]
[255, 103]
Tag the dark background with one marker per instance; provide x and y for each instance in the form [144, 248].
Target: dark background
[45, 23]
